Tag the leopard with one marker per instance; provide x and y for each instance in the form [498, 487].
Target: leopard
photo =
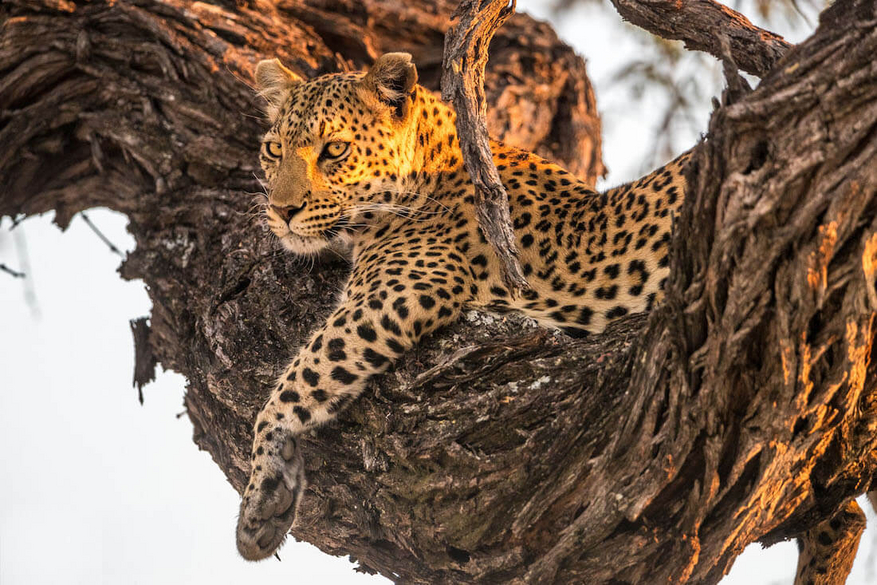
[371, 162]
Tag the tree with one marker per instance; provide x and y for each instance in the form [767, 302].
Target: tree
[742, 409]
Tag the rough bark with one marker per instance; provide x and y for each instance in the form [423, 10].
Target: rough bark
[463, 66]
[701, 23]
[744, 408]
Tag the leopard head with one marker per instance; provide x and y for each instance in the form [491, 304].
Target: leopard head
[339, 148]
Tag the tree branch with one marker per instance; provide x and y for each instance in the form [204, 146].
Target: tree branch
[463, 85]
[743, 408]
[101, 235]
[701, 23]
[11, 272]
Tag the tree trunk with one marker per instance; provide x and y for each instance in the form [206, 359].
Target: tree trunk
[742, 409]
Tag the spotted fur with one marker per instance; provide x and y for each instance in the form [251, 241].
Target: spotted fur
[373, 159]
[827, 551]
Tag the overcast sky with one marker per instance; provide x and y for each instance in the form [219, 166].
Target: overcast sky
[95, 488]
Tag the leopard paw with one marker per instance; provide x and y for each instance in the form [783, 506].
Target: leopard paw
[270, 501]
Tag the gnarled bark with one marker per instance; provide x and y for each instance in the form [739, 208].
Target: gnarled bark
[465, 58]
[742, 409]
[700, 24]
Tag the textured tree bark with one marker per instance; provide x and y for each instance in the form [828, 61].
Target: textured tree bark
[701, 23]
[463, 66]
[742, 409]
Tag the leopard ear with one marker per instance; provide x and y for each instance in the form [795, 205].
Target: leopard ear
[391, 80]
[274, 81]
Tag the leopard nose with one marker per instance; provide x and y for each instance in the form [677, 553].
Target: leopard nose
[287, 211]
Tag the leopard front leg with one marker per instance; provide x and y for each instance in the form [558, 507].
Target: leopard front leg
[372, 328]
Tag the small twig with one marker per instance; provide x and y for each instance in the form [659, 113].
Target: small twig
[463, 84]
[737, 86]
[103, 238]
[20, 217]
[13, 273]
[30, 296]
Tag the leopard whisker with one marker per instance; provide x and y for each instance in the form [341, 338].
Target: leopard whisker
[401, 211]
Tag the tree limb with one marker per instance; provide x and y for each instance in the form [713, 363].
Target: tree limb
[463, 85]
[701, 23]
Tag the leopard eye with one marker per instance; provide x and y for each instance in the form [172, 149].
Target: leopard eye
[336, 149]
[274, 149]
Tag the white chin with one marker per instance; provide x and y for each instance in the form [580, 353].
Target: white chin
[303, 245]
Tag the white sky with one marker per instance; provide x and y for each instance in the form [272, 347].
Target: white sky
[95, 488]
